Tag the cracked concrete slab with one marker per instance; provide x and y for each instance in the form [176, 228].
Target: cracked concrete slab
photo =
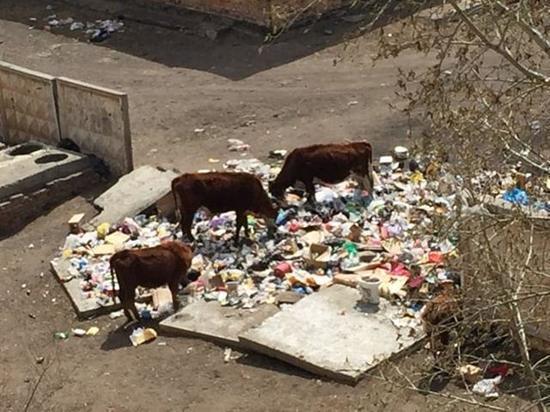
[330, 333]
[133, 193]
[84, 307]
[213, 322]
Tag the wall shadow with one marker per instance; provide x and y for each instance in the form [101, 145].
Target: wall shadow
[179, 38]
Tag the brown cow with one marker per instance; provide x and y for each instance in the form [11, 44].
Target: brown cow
[166, 264]
[330, 163]
[221, 192]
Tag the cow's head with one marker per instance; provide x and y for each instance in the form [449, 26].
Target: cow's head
[276, 189]
[191, 276]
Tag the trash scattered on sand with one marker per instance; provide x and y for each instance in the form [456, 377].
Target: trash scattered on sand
[487, 387]
[97, 31]
[79, 332]
[236, 145]
[77, 25]
[61, 335]
[140, 336]
[227, 355]
[94, 330]
[470, 373]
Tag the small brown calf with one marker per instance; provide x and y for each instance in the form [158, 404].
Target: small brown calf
[166, 264]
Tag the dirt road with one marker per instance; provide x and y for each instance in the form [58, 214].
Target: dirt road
[289, 95]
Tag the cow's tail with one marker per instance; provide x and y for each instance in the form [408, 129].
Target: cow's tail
[370, 173]
[113, 274]
[177, 204]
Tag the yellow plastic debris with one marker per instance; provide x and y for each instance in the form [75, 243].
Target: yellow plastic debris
[103, 230]
[140, 336]
[417, 177]
[94, 330]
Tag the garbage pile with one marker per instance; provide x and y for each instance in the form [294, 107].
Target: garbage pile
[346, 233]
[348, 236]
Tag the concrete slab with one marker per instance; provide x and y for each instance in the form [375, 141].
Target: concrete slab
[20, 209]
[215, 323]
[328, 333]
[133, 193]
[85, 308]
[22, 172]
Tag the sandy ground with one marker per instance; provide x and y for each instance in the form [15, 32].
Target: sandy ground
[177, 82]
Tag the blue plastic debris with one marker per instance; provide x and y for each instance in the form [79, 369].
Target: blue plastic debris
[282, 217]
[516, 196]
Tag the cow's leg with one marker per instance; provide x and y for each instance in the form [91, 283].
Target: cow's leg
[128, 314]
[310, 188]
[174, 290]
[241, 219]
[360, 177]
[126, 302]
[187, 222]
[366, 181]
[132, 303]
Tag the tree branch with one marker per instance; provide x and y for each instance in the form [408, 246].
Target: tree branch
[531, 31]
[503, 52]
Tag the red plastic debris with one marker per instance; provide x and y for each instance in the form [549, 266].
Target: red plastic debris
[436, 257]
[282, 269]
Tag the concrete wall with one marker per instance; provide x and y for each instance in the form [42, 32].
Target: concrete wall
[27, 106]
[36, 106]
[97, 120]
